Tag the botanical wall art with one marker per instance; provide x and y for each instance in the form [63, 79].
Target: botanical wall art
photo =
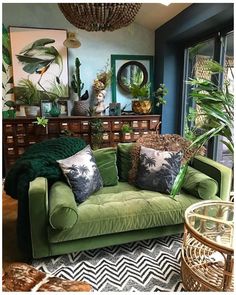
[38, 55]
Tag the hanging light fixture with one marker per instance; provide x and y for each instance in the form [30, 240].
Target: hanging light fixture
[100, 16]
[71, 41]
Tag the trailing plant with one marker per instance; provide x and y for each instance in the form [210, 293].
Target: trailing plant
[103, 79]
[97, 129]
[76, 82]
[160, 94]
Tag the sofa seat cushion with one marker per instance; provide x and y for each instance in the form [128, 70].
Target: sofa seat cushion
[123, 208]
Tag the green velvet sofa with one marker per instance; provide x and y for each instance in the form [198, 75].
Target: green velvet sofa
[115, 214]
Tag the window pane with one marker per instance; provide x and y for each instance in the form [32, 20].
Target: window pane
[196, 59]
[223, 154]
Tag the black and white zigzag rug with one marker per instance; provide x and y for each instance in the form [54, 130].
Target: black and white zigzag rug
[145, 266]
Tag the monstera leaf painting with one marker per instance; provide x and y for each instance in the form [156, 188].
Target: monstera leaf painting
[39, 55]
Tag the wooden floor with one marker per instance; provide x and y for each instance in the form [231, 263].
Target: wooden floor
[10, 252]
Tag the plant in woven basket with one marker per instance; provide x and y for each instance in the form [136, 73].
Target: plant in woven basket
[76, 83]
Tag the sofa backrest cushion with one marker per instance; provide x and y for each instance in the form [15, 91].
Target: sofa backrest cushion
[199, 184]
[124, 160]
[106, 162]
[62, 206]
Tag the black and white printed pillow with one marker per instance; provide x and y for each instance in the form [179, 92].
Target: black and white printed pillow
[158, 169]
[82, 174]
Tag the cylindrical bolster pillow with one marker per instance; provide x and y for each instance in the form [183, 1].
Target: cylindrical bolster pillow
[62, 206]
[200, 185]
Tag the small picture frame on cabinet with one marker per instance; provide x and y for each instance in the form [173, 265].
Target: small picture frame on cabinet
[114, 109]
[45, 108]
[64, 107]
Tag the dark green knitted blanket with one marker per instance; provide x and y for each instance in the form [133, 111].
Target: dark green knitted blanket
[38, 160]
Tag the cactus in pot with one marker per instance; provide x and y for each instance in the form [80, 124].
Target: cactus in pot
[81, 103]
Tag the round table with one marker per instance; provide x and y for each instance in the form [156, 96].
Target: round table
[207, 252]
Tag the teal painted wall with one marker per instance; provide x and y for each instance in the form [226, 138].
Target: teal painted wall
[96, 48]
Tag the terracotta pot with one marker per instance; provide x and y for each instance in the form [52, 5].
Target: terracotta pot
[142, 106]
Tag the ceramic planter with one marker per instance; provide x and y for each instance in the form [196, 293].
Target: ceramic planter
[142, 107]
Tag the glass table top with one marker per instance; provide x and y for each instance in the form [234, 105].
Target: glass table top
[213, 221]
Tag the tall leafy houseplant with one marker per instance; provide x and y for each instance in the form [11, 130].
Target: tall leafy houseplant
[216, 104]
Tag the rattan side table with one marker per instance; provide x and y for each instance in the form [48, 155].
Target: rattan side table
[207, 252]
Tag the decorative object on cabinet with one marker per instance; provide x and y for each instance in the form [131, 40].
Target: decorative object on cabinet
[43, 58]
[71, 41]
[141, 102]
[126, 65]
[100, 16]
[114, 109]
[11, 112]
[101, 82]
[46, 106]
[20, 133]
[81, 102]
[64, 106]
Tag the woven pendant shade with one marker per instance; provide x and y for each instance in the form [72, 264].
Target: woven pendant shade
[100, 16]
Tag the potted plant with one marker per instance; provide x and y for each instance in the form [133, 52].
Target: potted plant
[126, 132]
[42, 122]
[27, 93]
[81, 102]
[216, 104]
[141, 102]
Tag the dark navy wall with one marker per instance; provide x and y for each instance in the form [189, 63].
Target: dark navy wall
[193, 24]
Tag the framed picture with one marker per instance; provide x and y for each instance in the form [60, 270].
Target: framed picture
[46, 106]
[39, 57]
[64, 107]
[114, 109]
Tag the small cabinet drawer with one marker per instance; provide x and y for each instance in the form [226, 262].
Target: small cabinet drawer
[135, 124]
[21, 150]
[64, 126]
[21, 138]
[30, 128]
[144, 124]
[136, 135]
[106, 137]
[153, 124]
[53, 127]
[84, 126]
[8, 129]
[75, 126]
[10, 151]
[106, 125]
[20, 128]
[116, 125]
[9, 139]
[116, 136]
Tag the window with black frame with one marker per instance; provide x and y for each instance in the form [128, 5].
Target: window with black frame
[196, 60]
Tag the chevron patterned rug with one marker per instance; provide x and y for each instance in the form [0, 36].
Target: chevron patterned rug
[145, 266]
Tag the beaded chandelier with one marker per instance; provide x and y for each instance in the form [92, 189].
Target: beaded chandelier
[100, 16]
